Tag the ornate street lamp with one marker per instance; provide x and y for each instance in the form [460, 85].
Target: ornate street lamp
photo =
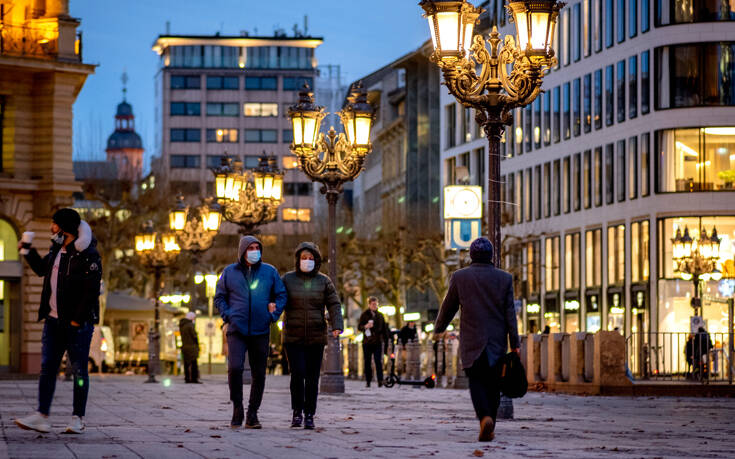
[248, 197]
[696, 259]
[196, 227]
[156, 251]
[332, 160]
[494, 93]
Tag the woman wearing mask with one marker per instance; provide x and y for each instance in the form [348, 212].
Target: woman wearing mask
[310, 294]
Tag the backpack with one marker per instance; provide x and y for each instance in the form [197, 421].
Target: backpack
[513, 382]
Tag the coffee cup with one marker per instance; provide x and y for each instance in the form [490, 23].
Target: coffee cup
[25, 242]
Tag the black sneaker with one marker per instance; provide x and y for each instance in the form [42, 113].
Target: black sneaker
[380, 383]
[252, 421]
[238, 414]
[297, 419]
[309, 421]
[368, 384]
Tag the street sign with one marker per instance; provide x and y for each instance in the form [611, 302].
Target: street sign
[459, 233]
[462, 202]
[210, 329]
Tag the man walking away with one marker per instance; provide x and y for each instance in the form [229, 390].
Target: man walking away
[487, 321]
[189, 347]
[375, 340]
[249, 296]
[71, 272]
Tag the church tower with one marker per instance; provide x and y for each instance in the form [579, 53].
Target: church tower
[124, 146]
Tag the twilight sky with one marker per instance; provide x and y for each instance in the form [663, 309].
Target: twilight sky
[117, 35]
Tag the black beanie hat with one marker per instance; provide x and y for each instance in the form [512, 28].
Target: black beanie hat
[481, 250]
[68, 220]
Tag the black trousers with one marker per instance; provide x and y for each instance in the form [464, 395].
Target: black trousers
[484, 387]
[191, 370]
[306, 363]
[373, 352]
[257, 348]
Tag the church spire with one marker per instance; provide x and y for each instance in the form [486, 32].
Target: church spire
[124, 79]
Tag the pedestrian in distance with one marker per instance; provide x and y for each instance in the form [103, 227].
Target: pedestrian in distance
[249, 296]
[375, 340]
[407, 333]
[72, 272]
[189, 348]
[488, 320]
[310, 295]
[546, 331]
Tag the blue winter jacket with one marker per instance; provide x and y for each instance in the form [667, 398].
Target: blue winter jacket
[244, 291]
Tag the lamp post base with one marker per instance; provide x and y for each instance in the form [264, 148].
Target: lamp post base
[333, 380]
[333, 383]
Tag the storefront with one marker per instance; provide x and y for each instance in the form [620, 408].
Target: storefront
[552, 316]
[615, 310]
[572, 312]
[593, 319]
[533, 316]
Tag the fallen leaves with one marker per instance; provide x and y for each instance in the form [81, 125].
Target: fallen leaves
[478, 453]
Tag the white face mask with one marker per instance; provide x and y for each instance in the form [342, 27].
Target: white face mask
[253, 256]
[307, 266]
[58, 237]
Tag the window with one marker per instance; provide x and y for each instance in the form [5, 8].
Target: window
[260, 109]
[250, 161]
[185, 82]
[695, 75]
[528, 198]
[587, 27]
[698, 159]
[533, 268]
[547, 190]
[610, 173]
[621, 91]
[577, 108]
[185, 161]
[297, 189]
[568, 37]
[598, 99]
[556, 193]
[296, 215]
[577, 32]
[480, 169]
[639, 237]
[567, 202]
[598, 21]
[557, 115]
[567, 115]
[587, 97]
[609, 22]
[287, 136]
[519, 131]
[564, 37]
[296, 83]
[537, 194]
[186, 135]
[632, 167]
[621, 21]
[466, 124]
[547, 119]
[571, 261]
[616, 255]
[632, 87]
[451, 133]
[214, 161]
[552, 263]
[520, 197]
[632, 18]
[593, 255]
[261, 83]
[620, 171]
[184, 187]
[261, 136]
[222, 135]
[204, 56]
[2, 119]
[609, 96]
[186, 109]
[537, 121]
[645, 83]
[645, 16]
[576, 181]
[528, 131]
[677, 12]
[587, 180]
[222, 109]
[290, 162]
[223, 82]
[645, 164]
[598, 176]
[510, 207]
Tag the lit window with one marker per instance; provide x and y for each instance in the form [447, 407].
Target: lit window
[290, 162]
[222, 135]
[260, 109]
[296, 215]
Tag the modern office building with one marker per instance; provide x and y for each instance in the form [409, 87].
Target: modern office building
[632, 139]
[41, 74]
[230, 95]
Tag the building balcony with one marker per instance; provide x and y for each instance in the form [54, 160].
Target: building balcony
[51, 39]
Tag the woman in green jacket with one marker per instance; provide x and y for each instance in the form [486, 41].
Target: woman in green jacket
[310, 294]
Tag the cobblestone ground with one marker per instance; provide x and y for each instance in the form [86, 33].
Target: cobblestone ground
[126, 418]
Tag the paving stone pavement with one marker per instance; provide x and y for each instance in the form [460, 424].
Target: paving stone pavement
[129, 419]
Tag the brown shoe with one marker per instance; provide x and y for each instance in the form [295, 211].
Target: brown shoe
[487, 429]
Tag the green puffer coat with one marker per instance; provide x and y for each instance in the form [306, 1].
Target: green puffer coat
[309, 296]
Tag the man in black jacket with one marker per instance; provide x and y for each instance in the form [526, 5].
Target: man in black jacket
[189, 347]
[71, 272]
[487, 322]
[375, 340]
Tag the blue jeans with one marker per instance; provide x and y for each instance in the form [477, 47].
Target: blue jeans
[59, 338]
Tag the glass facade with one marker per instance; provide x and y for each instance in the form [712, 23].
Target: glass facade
[690, 11]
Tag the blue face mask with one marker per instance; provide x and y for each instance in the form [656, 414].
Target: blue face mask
[252, 256]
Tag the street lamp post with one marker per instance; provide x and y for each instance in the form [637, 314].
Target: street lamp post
[696, 260]
[332, 160]
[210, 281]
[494, 93]
[249, 197]
[156, 251]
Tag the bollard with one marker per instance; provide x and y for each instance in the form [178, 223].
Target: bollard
[440, 364]
[460, 381]
[505, 409]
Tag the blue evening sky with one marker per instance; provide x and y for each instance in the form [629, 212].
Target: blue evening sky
[360, 36]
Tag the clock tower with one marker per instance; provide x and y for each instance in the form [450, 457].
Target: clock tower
[124, 146]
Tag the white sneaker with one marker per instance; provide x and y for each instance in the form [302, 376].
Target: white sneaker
[35, 421]
[76, 426]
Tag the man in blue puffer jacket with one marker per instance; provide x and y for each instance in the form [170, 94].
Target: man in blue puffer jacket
[250, 296]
